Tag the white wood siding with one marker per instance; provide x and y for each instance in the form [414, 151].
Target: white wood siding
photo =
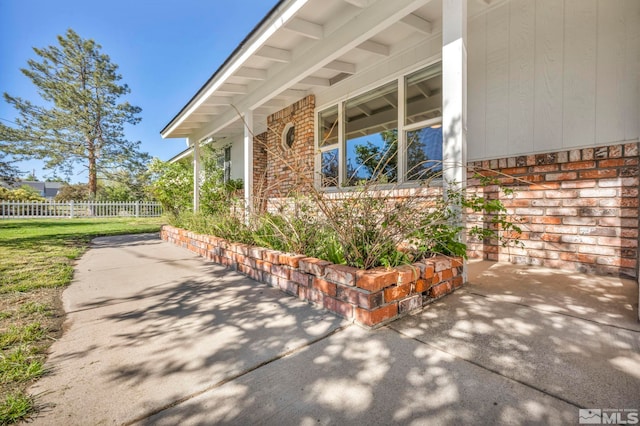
[548, 75]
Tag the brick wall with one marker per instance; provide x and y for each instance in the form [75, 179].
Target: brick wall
[370, 298]
[578, 209]
[290, 169]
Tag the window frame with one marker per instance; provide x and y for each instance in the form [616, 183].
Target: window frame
[403, 129]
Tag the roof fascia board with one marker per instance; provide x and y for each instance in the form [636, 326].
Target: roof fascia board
[184, 154]
[239, 57]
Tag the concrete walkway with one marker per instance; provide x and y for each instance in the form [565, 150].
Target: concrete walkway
[155, 335]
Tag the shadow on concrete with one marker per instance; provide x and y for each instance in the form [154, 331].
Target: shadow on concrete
[157, 336]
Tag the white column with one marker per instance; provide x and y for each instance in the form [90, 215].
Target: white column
[454, 99]
[454, 91]
[248, 160]
[196, 175]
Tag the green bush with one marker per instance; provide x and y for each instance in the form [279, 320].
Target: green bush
[172, 185]
[24, 193]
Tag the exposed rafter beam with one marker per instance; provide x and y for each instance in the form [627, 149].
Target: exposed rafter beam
[338, 78]
[208, 110]
[359, 26]
[341, 66]
[393, 101]
[262, 111]
[275, 54]
[237, 89]
[218, 100]
[424, 89]
[316, 81]
[275, 103]
[365, 110]
[292, 93]
[190, 125]
[251, 73]
[198, 118]
[360, 3]
[418, 23]
[374, 47]
[305, 28]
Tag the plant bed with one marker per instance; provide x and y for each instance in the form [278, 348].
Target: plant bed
[368, 297]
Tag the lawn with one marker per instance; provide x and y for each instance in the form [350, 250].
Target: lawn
[36, 263]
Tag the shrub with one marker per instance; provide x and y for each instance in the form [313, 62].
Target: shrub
[24, 193]
[374, 223]
[172, 185]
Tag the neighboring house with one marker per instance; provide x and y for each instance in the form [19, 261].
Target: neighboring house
[546, 90]
[46, 189]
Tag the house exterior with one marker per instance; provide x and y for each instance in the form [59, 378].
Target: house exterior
[546, 92]
[47, 190]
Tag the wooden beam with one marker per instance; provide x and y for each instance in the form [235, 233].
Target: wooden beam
[198, 118]
[292, 93]
[251, 73]
[305, 28]
[316, 81]
[374, 47]
[217, 100]
[418, 23]
[274, 54]
[207, 110]
[338, 78]
[360, 3]
[341, 66]
[237, 89]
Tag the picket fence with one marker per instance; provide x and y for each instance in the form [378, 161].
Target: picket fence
[71, 209]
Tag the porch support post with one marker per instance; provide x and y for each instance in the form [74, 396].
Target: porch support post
[248, 161]
[454, 100]
[196, 174]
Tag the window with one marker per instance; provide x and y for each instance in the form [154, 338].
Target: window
[371, 136]
[288, 136]
[224, 163]
[360, 139]
[423, 123]
[328, 143]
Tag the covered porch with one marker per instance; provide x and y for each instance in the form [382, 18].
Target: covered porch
[327, 52]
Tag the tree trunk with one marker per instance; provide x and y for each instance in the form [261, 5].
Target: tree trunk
[93, 175]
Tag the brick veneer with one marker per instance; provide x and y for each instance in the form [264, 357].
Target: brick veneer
[280, 180]
[578, 209]
[370, 298]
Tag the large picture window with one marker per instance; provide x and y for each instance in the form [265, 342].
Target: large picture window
[365, 139]
[371, 136]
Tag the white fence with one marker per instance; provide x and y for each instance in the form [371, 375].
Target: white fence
[71, 209]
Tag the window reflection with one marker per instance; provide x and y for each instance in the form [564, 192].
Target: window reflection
[424, 152]
[329, 168]
[372, 136]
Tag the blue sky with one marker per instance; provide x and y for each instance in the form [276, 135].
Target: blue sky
[166, 51]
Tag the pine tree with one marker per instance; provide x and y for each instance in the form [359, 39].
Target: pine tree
[82, 120]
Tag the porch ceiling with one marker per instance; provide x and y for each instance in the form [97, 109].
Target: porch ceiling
[304, 46]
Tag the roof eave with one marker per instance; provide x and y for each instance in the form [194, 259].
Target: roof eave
[234, 56]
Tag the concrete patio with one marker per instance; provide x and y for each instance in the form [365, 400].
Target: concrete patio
[156, 335]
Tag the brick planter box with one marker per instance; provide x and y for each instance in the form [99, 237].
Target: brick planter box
[370, 298]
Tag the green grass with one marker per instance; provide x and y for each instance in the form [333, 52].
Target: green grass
[34, 308]
[20, 365]
[21, 334]
[36, 265]
[36, 253]
[16, 406]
